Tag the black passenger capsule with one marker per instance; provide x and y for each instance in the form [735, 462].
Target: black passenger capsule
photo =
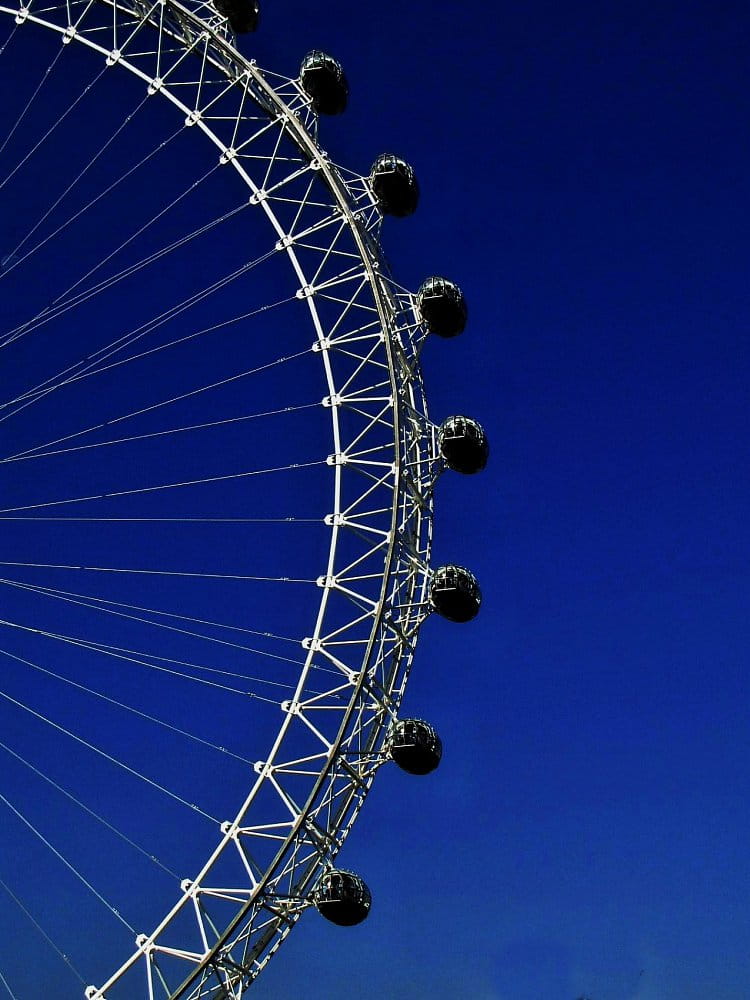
[442, 306]
[342, 897]
[241, 14]
[463, 444]
[394, 185]
[415, 746]
[455, 593]
[323, 79]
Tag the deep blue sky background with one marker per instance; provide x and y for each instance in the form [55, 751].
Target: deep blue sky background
[584, 172]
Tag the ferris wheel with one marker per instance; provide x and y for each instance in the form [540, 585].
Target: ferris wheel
[216, 483]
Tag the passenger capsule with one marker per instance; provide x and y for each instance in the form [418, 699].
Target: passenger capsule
[342, 897]
[241, 14]
[323, 79]
[442, 307]
[455, 593]
[394, 185]
[463, 444]
[415, 746]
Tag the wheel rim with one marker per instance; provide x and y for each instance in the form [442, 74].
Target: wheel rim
[381, 629]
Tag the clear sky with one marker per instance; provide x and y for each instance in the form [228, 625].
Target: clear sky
[584, 173]
[584, 179]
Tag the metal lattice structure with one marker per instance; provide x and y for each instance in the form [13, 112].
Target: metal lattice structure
[233, 914]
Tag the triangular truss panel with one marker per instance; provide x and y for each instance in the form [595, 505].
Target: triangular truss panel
[304, 796]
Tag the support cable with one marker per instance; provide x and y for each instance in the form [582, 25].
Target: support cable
[31, 100]
[97, 368]
[3, 980]
[93, 604]
[61, 305]
[162, 486]
[167, 402]
[51, 591]
[160, 572]
[9, 39]
[54, 126]
[82, 173]
[95, 815]
[68, 864]
[176, 520]
[149, 327]
[92, 369]
[126, 242]
[58, 595]
[165, 433]
[29, 916]
[135, 711]
[87, 370]
[10, 334]
[106, 650]
[102, 753]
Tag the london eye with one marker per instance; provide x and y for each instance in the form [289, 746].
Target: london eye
[218, 473]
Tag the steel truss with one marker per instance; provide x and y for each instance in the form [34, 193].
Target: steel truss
[232, 916]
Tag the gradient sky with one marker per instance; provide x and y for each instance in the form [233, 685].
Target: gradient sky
[584, 179]
[584, 175]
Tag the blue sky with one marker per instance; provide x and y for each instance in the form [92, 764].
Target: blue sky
[583, 172]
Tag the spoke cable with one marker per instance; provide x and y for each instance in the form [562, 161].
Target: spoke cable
[92, 364]
[146, 328]
[68, 864]
[164, 433]
[129, 708]
[119, 654]
[54, 126]
[128, 240]
[99, 751]
[159, 572]
[259, 369]
[22, 328]
[31, 100]
[61, 305]
[93, 603]
[82, 173]
[44, 934]
[206, 519]
[98, 368]
[57, 595]
[95, 815]
[163, 486]
[91, 371]
[3, 980]
[7, 42]
[152, 611]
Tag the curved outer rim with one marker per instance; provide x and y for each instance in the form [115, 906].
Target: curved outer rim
[405, 572]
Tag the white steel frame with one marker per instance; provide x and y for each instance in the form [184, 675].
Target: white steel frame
[232, 916]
